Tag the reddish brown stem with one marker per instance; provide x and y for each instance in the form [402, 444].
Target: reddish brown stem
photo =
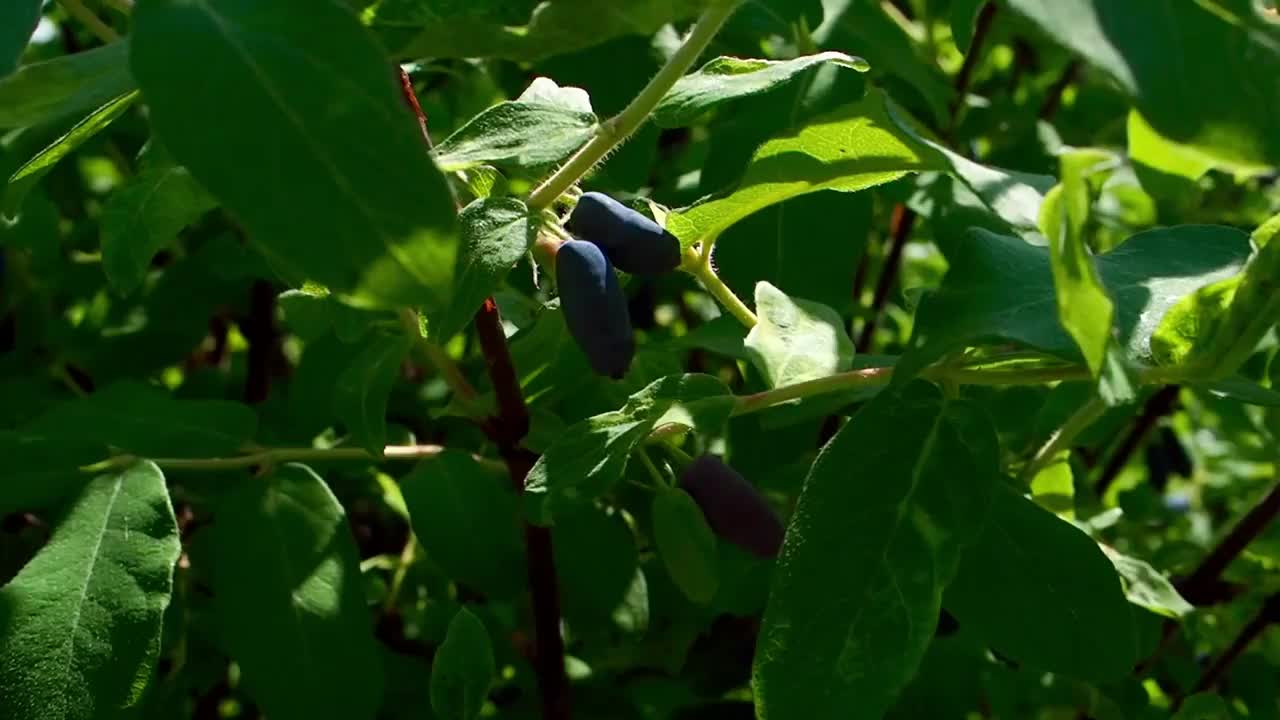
[965, 76]
[1202, 583]
[1053, 100]
[1251, 631]
[507, 429]
[904, 218]
[264, 342]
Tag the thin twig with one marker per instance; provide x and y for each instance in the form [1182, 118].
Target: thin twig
[1053, 99]
[1266, 616]
[1199, 586]
[1062, 438]
[1156, 407]
[90, 20]
[904, 219]
[275, 456]
[965, 76]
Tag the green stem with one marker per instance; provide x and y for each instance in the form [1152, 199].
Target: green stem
[443, 364]
[402, 569]
[721, 292]
[1062, 438]
[614, 131]
[852, 380]
[654, 472]
[90, 20]
[275, 456]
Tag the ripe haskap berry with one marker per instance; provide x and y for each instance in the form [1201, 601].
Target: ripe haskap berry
[735, 510]
[633, 242]
[595, 309]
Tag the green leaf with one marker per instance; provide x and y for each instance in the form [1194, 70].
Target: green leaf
[143, 216]
[1084, 309]
[57, 89]
[1145, 587]
[1218, 327]
[876, 535]
[1155, 50]
[467, 517]
[30, 173]
[596, 561]
[852, 148]
[964, 15]
[346, 195]
[290, 600]
[512, 29]
[40, 471]
[725, 79]
[462, 669]
[1040, 591]
[530, 134]
[1149, 149]
[80, 624]
[686, 544]
[496, 234]
[591, 455]
[18, 18]
[1001, 288]
[796, 340]
[1204, 706]
[146, 420]
[1242, 390]
[360, 394]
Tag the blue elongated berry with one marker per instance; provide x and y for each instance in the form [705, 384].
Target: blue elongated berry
[735, 510]
[633, 242]
[595, 308]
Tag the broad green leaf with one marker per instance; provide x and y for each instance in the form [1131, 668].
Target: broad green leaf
[530, 134]
[725, 79]
[35, 168]
[467, 517]
[1245, 391]
[514, 29]
[496, 234]
[1084, 309]
[852, 148]
[346, 194]
[1148, 148]
[40, 471]
[146, 420]
[686, 544]
[1156, 51]
[1053, 488]
[963, 16]
[289, 599]
[877, 534]
[308, 312]
[796, 340]
[596, 562]
[80, 624]
[1219, 327]
[1001, 288]
[145, 215]
[1038, 590]
[1145, 587]
[360, 392]
[591, 455]
[63, 87]
[1204, 706]
[462, 669]
[18, 19]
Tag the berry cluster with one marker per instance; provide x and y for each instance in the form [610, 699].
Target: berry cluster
[607, 234]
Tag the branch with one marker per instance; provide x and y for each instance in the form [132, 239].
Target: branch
[1053, 100]
[616, 130]
[1157, 406]
[904, 219]
[275, 456]
[1269, 613]
[1063, 437]
[965, 75]
[1200, 586]
[722, 293]
[86, 17]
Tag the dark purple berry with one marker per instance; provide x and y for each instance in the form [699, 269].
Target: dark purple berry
[735, 510]
[595, 309]
[633, 242]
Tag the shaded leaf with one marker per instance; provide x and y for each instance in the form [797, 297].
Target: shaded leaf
[41, 471]
[145, 215]
[590, 456]
[1001, 288]
[725, 79]
[1189, 101]
[146, 420]
[796, 340]
[686, 544]
[60, 88]
[858, 586]
[963, 17]
[596, 562]
[80, 624]
[496, 234]
[18, 19]
[346, 194]
[35, 168]
[290, 601]
[360, 392]
[462, 669]
[466, 516]
[1040, 591]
